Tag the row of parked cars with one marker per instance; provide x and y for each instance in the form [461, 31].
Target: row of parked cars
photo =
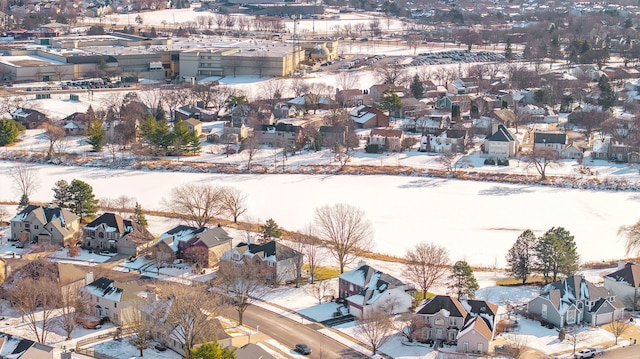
[82, 85]
[455, 56]
[359, 62]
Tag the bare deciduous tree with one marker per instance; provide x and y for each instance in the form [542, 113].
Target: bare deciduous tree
[242, 282]
[53, 134]
[541, 159]
[138, 324]
[234, 202]
[518, 345]
[25, 178]
[618, 328]
[426, 264]
[375, 328]
[198, 203]
[121, 205]
[319, 290]
[345, 230]
[36, 300]
[250, 147]
[73, 306]
[347, 80]
[190, 312]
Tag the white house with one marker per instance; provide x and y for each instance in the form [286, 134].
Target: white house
[500, 144]
[367, 289]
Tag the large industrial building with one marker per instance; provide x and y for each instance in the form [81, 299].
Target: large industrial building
[187, 59]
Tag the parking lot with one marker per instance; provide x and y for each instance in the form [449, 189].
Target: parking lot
[104, 83]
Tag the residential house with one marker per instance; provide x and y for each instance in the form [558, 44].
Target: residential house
[501, 144]
[194, 126]
[367, 289]
[554, 141]
[332, 135]
[170, 334]
[625, 283]
[571, 151]
[311, 102]
[203, 244]
[48, 224]
[252, 351]
[467, 322]
[368, 117]
[529, 111]
[447, 102]
[618, 151]
[445, 141]
[75, 124]
[600, 149]
[280, 135]
[575, 300]
[463, 86]
[15, 347]
[353, 97]
[433, 122]
[484, 125]
[386, 139]
[481, 105]
[377, 91]
[282, 110]
[504, 116]
[411, 107]
[278, 260]
[113, 300]
[240, 115]
[114, 234]
[29, 118]
[190, 111]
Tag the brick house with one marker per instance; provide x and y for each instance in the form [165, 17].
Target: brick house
[112, 233]
[50, 224]
[278, 260]
[29, 118]
[185, 242]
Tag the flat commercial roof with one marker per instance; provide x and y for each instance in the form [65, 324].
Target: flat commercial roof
[28, 61]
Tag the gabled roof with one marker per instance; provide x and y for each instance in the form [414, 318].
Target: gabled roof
[479, 325]
[543, 137]
[569, 291]
[440, 302]
[112, 222]
[629, 275]
[372, 281]
[501, 135]
[47, 214]
[271, 250]
[386, 133]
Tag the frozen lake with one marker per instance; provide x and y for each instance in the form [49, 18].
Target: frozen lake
[476, 221]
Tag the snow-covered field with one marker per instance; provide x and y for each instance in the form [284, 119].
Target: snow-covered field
[476, 221]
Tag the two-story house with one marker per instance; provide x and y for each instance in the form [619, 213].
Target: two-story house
[49, 224]
[554, 141]
[14, 347]
[462, 86]
[204, 245]
[445, 141]
[190, 111]
[366, 289]
[276, 259]
[467, 322]
[112, 233]
[110, 299]
[625, 283]
[501, 144]
[386, 139]
[194, 126]
[280, 135]
[575, 300]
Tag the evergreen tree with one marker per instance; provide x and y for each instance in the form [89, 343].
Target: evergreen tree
[462, 280]
[607, 93]
[24, 202]
[212, 350]
[508, 51]
[152, 32]
[9, 131]
[139, 216]
[520, 258]
[82, 200]
[390, 101]
[97, 136]
[270, 230]
[417, 88]
[161, 115]
[556, 253]
[61, 194]
[91, 114]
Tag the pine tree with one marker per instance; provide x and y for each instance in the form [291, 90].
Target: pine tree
[24, 202]
[91, 114]
[270, 230]
[139, 216]
[556, 253]
[520, 258]
[97, 136]
[212, 350]
[9, 131]
[508, 51]
[462, 280]
[417, 88]
[390, 101]
[82, 200]
[61, 194]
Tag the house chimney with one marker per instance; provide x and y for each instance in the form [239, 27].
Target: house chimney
[88, 278]
[361, 263]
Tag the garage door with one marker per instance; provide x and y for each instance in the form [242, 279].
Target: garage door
[603, 318]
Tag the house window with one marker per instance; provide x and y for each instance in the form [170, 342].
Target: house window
[439, 321]
[571, 316]
[100, 235]
[480, 347]
[35, 226]
[27, 225]
[465, 347]
[115, 305]
[452, 321]
[271, 264]
[544, 311]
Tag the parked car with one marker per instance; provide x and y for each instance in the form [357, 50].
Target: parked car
[585, 353]
[303, 349]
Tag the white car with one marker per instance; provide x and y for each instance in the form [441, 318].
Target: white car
[585, 353]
